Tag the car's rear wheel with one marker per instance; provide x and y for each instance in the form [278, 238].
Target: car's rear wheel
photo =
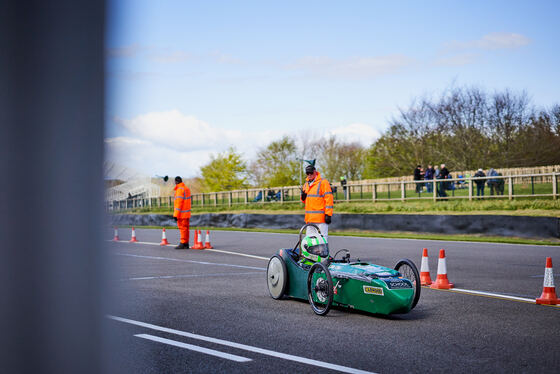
[410, 272]
[320, 289]
[276, 277]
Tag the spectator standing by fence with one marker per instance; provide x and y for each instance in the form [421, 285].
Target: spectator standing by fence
[444, 173]
[344, 187]
[418, 177]
[500, 184]
[480, 183]
[493, 182]
[429, 176]
[442, 186]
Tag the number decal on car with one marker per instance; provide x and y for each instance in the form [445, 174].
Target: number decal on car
[373, 290]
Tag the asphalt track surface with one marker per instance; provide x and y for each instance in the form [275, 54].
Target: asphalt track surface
[209, 311]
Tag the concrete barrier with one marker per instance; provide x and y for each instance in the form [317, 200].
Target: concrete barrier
[519, 226]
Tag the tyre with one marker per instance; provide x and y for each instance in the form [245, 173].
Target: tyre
[276, 277]
[320, 290]
[410, 272]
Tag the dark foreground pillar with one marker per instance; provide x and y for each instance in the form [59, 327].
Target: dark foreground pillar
[51, 186]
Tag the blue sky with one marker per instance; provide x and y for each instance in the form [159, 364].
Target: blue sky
[189, 79]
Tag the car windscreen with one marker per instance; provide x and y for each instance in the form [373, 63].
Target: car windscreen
[319, 250]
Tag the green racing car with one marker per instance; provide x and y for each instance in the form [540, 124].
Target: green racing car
[308, 272]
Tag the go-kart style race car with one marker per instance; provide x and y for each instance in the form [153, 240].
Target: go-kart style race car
[308, 272]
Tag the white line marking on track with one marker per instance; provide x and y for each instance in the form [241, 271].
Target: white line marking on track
[190, 276]
[493, 295]
[209, 250]
[196, 348]
[267, 352]
[188, 261]
[237, 254]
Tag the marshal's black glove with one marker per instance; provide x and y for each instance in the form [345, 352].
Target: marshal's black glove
[303, 196]
[175, 218]
[327, 220]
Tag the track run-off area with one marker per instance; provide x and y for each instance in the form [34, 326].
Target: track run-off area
[210, 311]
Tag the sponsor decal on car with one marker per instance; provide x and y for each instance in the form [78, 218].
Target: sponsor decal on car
[384, 274]
[373, 290]
[397, 283]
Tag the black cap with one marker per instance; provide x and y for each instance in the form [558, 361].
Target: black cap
[309, 169]
[178, 179]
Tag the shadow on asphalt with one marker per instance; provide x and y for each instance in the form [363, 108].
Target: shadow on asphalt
[414, 315]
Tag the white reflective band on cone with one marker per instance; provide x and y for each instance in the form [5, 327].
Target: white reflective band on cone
[425, 265]
[548, 278]
[441, 267]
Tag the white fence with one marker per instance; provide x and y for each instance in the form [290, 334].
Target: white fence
[496, 187]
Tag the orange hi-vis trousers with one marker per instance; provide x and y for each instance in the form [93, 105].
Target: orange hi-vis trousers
[183, 225]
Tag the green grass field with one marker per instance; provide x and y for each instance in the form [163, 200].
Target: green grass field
[520, 206]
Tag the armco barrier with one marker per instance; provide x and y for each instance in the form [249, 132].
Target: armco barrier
[520, 226]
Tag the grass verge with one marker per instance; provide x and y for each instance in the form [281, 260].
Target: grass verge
[527, 207]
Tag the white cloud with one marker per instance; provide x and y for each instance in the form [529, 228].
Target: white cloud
[170, 56]
[175, 130]
[495, 40]
[153, 159]
[457, 60]
[178, 143]
[225, 58]
[357, 67]
[458, 53]
[172, 143]
[356, 132]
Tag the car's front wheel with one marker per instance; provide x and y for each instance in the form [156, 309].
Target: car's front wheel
[276, 277]
[320, 290]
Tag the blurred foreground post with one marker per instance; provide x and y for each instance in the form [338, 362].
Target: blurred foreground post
[51, 197]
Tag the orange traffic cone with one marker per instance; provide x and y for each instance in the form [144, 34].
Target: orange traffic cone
[197, 240]
[548, 295]
[207, 245]
[163, 237]
[116, 238]
[133, 237]
[425, 279]
[442, 282]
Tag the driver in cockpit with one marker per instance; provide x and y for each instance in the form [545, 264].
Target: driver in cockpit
[314, 248]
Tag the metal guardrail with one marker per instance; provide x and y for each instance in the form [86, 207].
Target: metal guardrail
[495, 187]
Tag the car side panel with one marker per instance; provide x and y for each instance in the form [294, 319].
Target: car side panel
[297, 276]
[372, 297]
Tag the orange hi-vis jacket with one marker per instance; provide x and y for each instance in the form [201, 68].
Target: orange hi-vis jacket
[319, 200]
[182, 201]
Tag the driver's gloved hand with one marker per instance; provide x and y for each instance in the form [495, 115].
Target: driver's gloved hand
[175, 218]
[327, 219]
[303, 196]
